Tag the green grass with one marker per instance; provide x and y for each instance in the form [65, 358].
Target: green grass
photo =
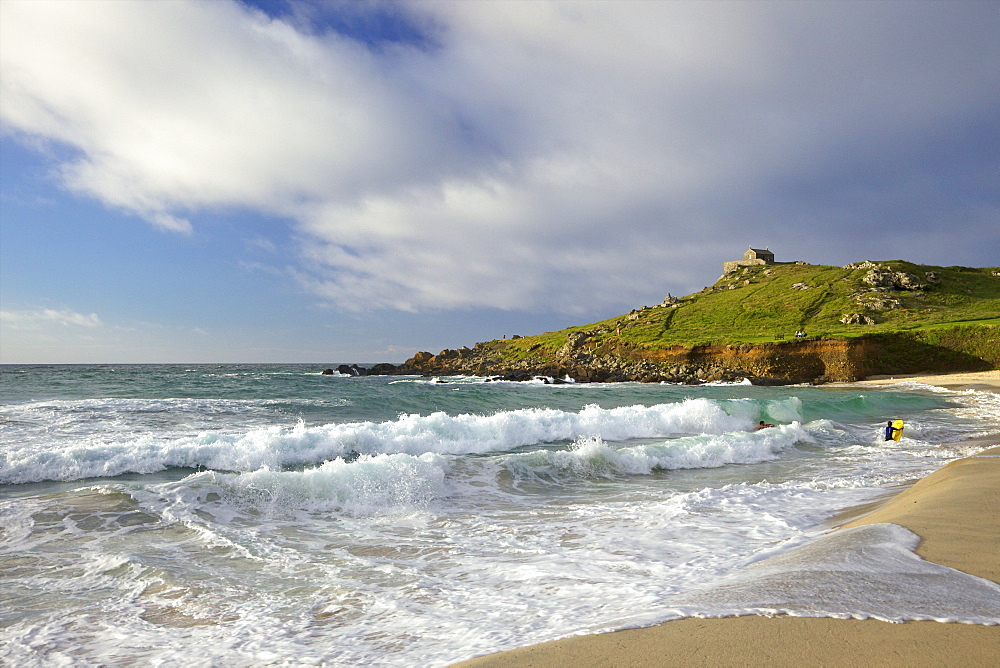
[939, 347]
[758, 303]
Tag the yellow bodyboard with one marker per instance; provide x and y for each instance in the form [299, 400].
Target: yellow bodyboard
[897, 430]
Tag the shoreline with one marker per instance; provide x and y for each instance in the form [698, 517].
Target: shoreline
[955, 511]
[988, 381]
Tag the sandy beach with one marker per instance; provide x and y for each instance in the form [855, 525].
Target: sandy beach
[973, 380]
[956, 513]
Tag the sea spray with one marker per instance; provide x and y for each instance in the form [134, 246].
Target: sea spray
[98, 455]
[592, 456]
[370, 484]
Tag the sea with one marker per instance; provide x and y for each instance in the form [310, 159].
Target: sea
[261, 515]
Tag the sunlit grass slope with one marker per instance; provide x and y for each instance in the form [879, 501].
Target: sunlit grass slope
[765, 303]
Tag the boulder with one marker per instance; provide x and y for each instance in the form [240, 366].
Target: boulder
[905, 281]
[884, 304]
[867, 264]
[880, 278]
[856, 319]
[893, 280]
[574, 340]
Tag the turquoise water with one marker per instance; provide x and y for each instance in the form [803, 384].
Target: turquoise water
[252, 514]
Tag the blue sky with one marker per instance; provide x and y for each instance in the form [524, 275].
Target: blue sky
[350, 181]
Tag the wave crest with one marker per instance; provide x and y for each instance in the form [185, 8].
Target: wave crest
[592, 457]
[281, 447]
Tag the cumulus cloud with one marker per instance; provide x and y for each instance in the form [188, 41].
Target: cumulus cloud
[559, 155]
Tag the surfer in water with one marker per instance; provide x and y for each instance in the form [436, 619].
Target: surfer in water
[890, 430]
[762, 425]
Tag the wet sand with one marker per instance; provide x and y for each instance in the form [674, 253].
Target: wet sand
[956, 513]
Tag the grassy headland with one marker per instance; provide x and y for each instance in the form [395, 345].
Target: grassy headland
[862, 319]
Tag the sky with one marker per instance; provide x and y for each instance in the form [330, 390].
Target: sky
[356, 181]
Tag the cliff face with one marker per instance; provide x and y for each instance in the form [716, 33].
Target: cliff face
[809, 361]
[789, 362]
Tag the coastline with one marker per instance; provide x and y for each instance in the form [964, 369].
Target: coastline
[955, 511]
[988, 381]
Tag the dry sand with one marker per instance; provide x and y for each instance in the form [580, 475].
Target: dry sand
[955, 511]
[974, 380]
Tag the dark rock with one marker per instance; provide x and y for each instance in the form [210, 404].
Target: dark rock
[767, 382]
[327, 372]
[514, 377]
[383, 369]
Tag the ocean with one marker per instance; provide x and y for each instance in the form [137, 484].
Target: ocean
[217, 515]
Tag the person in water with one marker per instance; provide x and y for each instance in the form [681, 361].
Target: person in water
[890, 430]
[762, 425]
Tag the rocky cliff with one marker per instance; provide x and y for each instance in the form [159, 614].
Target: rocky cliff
[781, 362]
[962, 348]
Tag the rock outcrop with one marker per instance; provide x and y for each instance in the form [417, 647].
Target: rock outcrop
[892, 280]
[777, 363]
[857, 319]
[780, 362]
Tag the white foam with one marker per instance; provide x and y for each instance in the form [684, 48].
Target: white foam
[593, 457]
[371, 484]
[867, 571]
[277, 447]
[724, 383]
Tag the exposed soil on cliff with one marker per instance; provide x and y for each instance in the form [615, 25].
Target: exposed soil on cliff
[789, 362]
[796, 361]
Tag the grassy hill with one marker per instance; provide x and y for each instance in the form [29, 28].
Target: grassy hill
[766, 303]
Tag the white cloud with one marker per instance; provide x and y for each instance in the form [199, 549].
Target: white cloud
[45, 317]
[558, 155]
[189, 104]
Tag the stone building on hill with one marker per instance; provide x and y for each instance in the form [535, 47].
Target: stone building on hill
[753, 256]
